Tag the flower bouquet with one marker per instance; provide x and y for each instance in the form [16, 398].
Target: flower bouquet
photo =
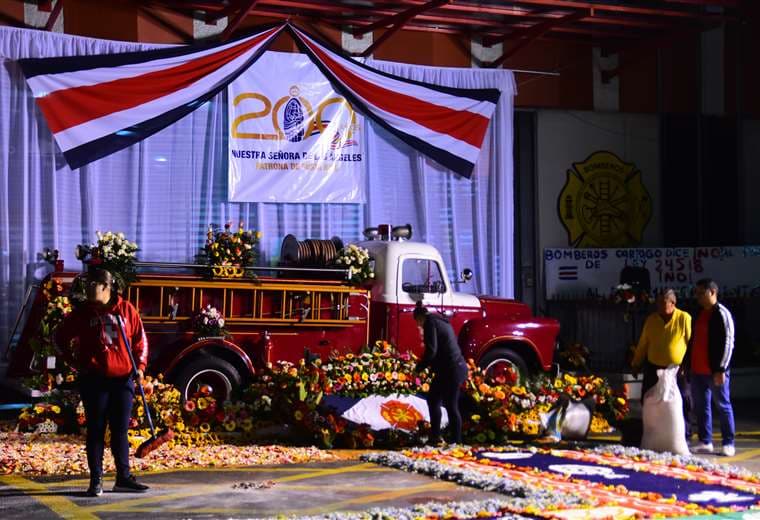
[381, 370]
[56, 307]
[209, 323]
[356, 259]
[632, 297]
[112, 252]
[574, 356]
[57, 414]
[42, 418]
[228, 252]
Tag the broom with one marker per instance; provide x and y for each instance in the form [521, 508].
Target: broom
[165, 435]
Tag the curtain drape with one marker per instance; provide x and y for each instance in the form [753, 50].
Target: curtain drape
[471, 221]
[164, 191]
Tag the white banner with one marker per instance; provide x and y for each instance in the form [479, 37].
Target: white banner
[292, 137]
[583, 273]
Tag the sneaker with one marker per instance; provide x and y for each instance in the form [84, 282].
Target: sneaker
[703, 447]
[436, 442]
[129, 485]
[728, 450]
[96, 487]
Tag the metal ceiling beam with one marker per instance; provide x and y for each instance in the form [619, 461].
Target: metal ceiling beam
[625, 19]
[716, 3]
[530, 34]
[531, 14]
[245, 7]
[613, 7]
[399, 21]
[166, 24]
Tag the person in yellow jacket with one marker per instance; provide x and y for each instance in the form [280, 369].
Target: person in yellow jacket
[663, 342]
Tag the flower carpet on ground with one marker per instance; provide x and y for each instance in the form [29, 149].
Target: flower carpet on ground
[44, 454]
[611, 481]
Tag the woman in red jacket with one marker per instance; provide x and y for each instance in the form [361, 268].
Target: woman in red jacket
[91, 338]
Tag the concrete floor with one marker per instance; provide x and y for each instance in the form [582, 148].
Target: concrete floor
[303, 489]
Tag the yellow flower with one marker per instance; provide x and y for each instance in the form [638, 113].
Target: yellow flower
[180, 426]
[570, 379]
[298, 415]
[56, 409]
[205, 427]
[202, 403]
[229, 425]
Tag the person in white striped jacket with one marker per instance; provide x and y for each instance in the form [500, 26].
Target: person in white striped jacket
[710, 353]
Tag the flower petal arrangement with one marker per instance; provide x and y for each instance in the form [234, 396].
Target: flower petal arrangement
[57, 306]
[581, 483]
[358, 262]
[225, 247]
[209, 322]
[112, 252]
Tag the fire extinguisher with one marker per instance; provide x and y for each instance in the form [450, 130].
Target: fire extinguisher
[266, 348]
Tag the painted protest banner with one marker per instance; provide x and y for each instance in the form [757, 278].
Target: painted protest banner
[292, 138]
[584, 273]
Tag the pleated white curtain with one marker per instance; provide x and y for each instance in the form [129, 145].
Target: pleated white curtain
[471, 221]
[164, 191]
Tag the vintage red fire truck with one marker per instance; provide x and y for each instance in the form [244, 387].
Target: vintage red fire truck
[278, 317]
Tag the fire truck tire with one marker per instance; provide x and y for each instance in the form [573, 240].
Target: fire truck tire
[219, 374]
[500, 358]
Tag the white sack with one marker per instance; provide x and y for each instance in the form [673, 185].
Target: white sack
[664, 428]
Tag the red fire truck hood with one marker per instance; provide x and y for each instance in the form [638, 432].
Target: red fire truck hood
[504, 307]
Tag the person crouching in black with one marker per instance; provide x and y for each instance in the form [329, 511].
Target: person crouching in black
[443, 356]
[105, 373]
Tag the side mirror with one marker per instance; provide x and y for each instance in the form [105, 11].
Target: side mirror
[466, 276]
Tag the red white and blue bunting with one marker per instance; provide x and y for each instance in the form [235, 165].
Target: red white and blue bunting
[446, 124]
[97, 105]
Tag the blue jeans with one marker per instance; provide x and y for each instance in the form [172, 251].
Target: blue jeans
[704, 392]
[107, 400]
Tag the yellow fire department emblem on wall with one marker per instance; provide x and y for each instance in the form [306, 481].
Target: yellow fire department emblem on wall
[604, 203]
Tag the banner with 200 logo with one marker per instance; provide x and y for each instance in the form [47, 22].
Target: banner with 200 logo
[292, 138]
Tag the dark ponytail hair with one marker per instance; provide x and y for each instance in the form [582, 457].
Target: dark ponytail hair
[420, 311]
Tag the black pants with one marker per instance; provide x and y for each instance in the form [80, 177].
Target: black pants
[650, 379]
[107, 400]
[445, 389]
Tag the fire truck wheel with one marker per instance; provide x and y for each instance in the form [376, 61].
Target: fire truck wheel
[503, 363]
[218, 374]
